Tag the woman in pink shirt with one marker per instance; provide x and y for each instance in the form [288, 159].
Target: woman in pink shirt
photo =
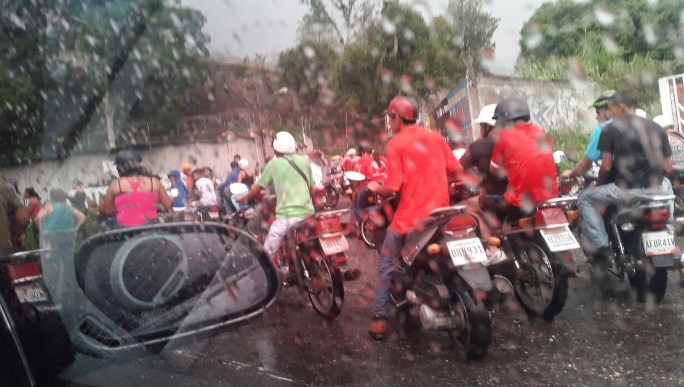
[135, 197]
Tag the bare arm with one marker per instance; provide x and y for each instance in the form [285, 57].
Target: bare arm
[579, 170]
[381, 190]
[164, 197]
[253, 193]
[107, 205]
[80, 216]
[45, 211]
[668, 165]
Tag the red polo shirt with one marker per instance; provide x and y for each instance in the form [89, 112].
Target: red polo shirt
[526, 154]
[418, 162]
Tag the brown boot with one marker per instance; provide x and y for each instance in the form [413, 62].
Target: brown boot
[378, 328]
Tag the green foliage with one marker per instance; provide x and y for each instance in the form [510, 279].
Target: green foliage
[307, 68]
[69, 66]
[572, 142]
[625, 27]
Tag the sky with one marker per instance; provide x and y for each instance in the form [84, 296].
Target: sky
[240, 28]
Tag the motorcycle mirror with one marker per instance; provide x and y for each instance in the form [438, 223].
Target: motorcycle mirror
[559, 156]
[148, 288]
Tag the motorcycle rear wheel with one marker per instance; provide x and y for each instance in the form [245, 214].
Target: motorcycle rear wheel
[367, 233]
[476, 334]
[332, 197]
[543, 289]
[644, 284]
[325, 287]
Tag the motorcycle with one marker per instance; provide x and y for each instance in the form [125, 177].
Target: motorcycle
[242, 216]
[441, 276]
[544, 253]
[313, 251]
[644, 244]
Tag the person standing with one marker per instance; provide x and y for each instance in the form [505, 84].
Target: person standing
[14, 218]
[33, 209]
[59, 225]
[418, 164]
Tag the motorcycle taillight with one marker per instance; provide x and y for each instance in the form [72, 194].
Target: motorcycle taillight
[23, 271]
[549, 217]
[328, 226]
[657, 217]
[460, 223]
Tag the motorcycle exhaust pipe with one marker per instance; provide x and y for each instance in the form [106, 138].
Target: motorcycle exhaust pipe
[432, 319]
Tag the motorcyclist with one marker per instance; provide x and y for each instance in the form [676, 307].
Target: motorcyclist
[134, 197]
[369, 166]
[592, 154]
[639, 152]
[523, 153]
[418, 162]
[292, 178]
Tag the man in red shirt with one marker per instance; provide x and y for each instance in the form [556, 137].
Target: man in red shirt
[523, 153]
[418, 162]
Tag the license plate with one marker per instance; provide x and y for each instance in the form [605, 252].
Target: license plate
[560, 239]
[213, 215]
[659, 243]
[31, 293]
[465, 251]
[334, 245]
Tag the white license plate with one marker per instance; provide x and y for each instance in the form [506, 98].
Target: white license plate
[334, 245]
[659, 243]
[31, 293]
[465, 251]
[560, 239]
[214, 215]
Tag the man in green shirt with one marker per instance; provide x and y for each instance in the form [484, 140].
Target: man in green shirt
[291, 176]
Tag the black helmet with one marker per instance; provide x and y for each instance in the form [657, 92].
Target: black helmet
[512, 108]
[128, 161]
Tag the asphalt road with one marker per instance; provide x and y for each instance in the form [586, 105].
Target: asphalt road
[595, 341]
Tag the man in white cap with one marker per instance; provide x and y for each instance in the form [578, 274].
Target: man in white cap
[291, 176]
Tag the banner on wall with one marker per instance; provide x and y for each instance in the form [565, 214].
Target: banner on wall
[453, 113]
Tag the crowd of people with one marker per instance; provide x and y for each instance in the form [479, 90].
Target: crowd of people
[512, 163]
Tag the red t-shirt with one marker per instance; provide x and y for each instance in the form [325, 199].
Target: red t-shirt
[418, 162]
[350, 163]
[372, 170]
[526, 154]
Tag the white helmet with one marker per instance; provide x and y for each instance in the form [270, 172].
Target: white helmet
[284, 143]
[351, 152]
[641, 113]
[244, 163]
[486, 115]
[663, 121]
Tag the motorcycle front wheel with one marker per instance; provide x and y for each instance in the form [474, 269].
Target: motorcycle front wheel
[542, 287]
[324, 285]
[475, 335]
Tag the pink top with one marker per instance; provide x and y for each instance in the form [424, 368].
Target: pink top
[136, 208]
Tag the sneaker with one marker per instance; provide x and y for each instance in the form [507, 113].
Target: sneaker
[496, 257]
[378, 328]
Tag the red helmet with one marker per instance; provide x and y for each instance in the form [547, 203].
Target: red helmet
[404, 107]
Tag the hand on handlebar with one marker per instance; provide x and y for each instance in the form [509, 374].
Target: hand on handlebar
[566, 174]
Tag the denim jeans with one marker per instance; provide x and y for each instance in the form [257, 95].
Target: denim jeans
[277, 232]
[593, 228]
[389, 258]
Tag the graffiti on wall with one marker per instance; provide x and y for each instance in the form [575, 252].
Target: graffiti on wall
[553, 106]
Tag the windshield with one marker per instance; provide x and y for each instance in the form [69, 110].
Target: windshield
[230, 192]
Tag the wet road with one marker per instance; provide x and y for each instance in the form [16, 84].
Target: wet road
[594, 341]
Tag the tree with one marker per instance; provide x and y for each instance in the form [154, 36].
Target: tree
[336, 22]
[307, 68]
[470, 29]
[623, 27]
[86, 66]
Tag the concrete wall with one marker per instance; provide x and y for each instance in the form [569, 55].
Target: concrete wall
[89, 168]
[553, 105]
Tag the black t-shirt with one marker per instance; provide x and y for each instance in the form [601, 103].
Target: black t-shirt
[639, 147]
[479, 155]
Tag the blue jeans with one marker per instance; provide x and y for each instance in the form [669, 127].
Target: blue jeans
[389, 258]
[593, 228]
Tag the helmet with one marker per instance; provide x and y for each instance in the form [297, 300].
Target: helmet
[641, 113]
[186, 168]
[284, 143]
[127, 161]
[244, 163]
[351, 152]
[512, 108]
[486, 115]
[663, 121]
[404, 107]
